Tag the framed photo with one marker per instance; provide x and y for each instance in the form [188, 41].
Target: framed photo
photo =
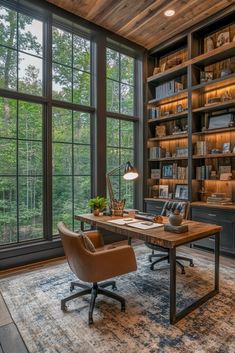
[226, 147]
[222, 38]
[181, 192]
[219, 121]
[163, 191]
[167, 171]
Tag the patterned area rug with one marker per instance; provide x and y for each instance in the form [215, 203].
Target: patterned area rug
[34, 303]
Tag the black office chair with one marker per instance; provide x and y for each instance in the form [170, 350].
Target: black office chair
[168, 208]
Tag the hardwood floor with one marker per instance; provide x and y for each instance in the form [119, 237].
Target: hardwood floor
[10, 338]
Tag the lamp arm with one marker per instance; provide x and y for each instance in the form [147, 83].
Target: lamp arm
[108, 181]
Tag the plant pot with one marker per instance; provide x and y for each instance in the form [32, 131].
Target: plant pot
[96, 212]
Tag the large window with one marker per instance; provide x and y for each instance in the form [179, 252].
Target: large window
[71, 165]
[120, 82]
[21, 170]
[120, 149]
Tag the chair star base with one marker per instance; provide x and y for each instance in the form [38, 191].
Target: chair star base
[94, 291]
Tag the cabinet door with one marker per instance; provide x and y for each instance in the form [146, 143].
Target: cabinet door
[227, 234]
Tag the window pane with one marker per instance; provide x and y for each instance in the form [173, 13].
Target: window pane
[30, 35]
[8, 214]
[82, 163]
[62, 201]
[127, 133]
[30, 208]
[112, 96]
[7, 157]
[8, 68]
[112, 158]
[127, 192]
[81, 53]
[62, 82]
[30, 158]
[8, 112]
[30, 74]
[81, 87]
[127, 99]
[30, 121]
[112, 58]
[115, 181]
[62, 159]
[81, 125]
[62, 125]
[61, 46]
[82, 194]
[112, 132]
[127, 155]
[127, 69]
[8, 27]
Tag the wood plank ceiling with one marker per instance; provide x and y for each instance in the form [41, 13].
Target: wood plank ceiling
[143, 21]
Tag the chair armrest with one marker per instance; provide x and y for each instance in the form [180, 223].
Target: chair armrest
[95, 237]
[112, 262]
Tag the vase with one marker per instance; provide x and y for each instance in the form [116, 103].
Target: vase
[96, 212]
[175, 218]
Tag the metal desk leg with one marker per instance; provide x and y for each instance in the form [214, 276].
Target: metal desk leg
[175, 317]
[172, 254]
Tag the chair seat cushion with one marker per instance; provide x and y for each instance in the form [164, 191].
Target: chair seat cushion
[88, 243]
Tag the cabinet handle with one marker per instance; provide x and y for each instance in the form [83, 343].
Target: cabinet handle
[212, 214]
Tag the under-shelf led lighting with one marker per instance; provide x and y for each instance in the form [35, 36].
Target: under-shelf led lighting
[169, 13]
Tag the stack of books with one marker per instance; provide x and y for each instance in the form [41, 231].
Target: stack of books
[201, 148]
[179, 172]
[157, 152]
[168, 88]
[219, 199]
[203, 172]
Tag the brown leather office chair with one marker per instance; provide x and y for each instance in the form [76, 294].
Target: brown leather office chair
[96, 264]
[168, 208]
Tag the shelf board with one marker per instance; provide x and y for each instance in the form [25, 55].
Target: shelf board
[169, 117]
[169, 74]
[205, 204]
[169, 137]
[161, 199]
[168, 159]
[215, 131]
[214, 55]
[171, 98]
[215, 84]
[216, 106]
[218, 155]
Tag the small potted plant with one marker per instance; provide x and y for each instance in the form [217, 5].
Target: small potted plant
[97, 204]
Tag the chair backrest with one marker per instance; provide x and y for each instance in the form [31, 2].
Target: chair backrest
[171, 206]
[78, 257]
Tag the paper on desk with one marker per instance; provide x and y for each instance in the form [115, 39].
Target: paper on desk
[122, 221]
[142, 225]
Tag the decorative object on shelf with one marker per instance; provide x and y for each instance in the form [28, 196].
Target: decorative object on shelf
[226, 96]
[166, 113]
[179, 108]
[155, 173]
[225, 71]
[168, 154]
[175, 218]
[156, 70]
[163, 191]
[181, 192]
[160, 131]
[97, 204]
[220, 121]
[225, 176]
[185, 129]
[181, 151]
[215, 151]
[167, 171]
[209, 44]
[231, 123]
[213, 175]
[176, 130]
[222, 38]
[226, 147]
[155, 191]
[213, 100]
[206, 76]
[130, 173]
[204, 129]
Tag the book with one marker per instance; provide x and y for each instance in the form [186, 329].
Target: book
[155, 173]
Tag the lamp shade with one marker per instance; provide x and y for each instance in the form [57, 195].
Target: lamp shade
[130, 172]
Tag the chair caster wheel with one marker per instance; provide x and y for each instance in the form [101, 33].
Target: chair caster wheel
[64, 308]
[191, 264]
[114, 287]
[151, 268]
[71, 288]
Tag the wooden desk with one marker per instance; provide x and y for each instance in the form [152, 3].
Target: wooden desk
[171, 241]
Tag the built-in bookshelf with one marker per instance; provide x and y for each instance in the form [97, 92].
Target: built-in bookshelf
[191, 115]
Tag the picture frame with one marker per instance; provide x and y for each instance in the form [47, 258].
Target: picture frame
[222, 38]
[220, 121]
[167, 171]
[226, 147]
[181, 151]
[181, 191]
[163, 191]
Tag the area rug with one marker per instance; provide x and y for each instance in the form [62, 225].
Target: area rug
[33, 300]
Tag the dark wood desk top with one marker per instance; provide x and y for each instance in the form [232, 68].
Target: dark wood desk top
[197, 230]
